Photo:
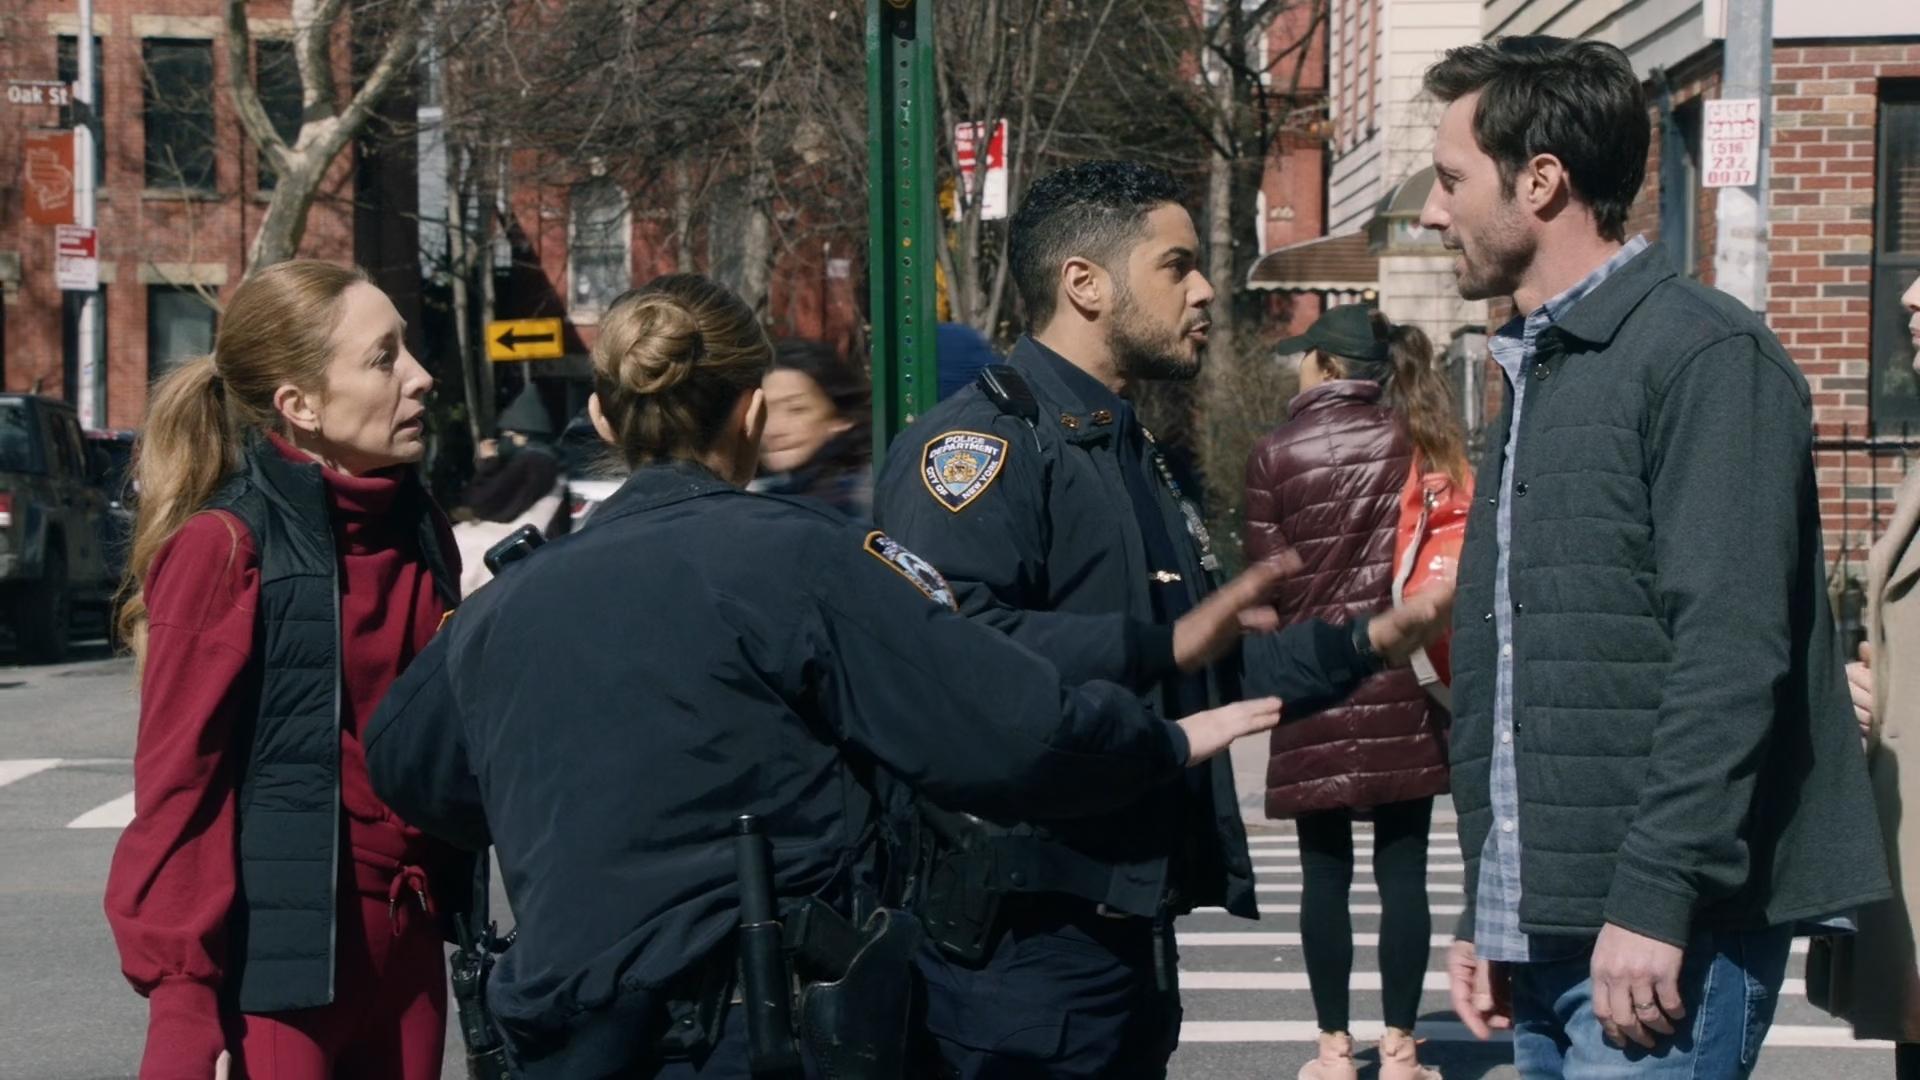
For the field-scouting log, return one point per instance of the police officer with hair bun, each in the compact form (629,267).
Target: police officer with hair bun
(605,711)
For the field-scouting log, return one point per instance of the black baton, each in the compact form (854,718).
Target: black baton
(765,987)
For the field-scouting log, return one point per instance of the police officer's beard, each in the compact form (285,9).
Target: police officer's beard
(1142,350)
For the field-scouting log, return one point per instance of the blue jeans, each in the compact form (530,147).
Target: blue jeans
(1729,983)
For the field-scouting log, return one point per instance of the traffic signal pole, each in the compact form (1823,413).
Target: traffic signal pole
(903,215)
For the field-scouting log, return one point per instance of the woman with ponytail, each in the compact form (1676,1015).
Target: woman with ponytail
(1326,487)
(286,566)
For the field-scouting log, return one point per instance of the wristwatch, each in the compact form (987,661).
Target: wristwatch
(1363,649)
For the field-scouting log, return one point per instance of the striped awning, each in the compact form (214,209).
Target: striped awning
(1325,264)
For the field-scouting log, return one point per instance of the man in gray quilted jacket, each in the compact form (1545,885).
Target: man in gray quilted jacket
(1653,757)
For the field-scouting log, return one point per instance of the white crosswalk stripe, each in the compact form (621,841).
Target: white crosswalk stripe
(1357,909)
(21,768)
(1231,970)
(1294,868)
(43,783)
(1361,980)
(1288,938)
(1453,887)
(117,814)
(1305,1031)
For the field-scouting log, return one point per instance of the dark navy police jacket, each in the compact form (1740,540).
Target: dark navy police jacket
(604,711)
(1064,535)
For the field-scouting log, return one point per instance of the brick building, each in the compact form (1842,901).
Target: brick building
(1379,149)
(1292,208)
(181,193)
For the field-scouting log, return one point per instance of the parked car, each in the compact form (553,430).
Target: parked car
(53,524)
(117,485)
(593,473)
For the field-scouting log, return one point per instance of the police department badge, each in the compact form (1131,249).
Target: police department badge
(959,465)
(910,566)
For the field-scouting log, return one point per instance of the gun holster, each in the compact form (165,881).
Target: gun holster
(958,896)
(486,1053)
(855,1027)
(472,963)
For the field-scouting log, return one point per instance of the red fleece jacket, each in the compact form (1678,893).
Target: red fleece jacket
(174,873)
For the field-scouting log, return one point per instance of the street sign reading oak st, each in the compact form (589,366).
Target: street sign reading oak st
(525,339)
(39,92)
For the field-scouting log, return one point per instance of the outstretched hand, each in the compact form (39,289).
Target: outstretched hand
(1210,732)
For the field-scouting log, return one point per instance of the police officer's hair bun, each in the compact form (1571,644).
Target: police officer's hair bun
(672,360)
(655,347)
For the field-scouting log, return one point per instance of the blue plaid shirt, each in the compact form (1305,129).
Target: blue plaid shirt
(1496,925)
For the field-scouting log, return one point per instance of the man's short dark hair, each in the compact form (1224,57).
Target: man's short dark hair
(1093,211)
(1577,100)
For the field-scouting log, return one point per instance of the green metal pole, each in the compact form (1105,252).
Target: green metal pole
(904,212)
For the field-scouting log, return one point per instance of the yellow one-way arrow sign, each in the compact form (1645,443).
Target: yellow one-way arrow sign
(524,339)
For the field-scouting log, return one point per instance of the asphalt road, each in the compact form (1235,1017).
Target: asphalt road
(66,743)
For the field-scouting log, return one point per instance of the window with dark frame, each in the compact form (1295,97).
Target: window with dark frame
(179,113)
(180,325)
(1895,396)
(277,76)
(68,71)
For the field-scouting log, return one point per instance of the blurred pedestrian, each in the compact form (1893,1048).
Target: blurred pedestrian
(286,565)
(1871,978)
(818,441)
(629,690)
(1656,772)
(517,481)
(960,352)
(1325,487)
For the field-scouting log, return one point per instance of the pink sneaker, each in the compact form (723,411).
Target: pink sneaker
(1335,1061)
(1398,1059)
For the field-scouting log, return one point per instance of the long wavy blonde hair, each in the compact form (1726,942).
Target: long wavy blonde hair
(277,330)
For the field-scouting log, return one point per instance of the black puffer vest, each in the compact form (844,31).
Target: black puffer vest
(283,920)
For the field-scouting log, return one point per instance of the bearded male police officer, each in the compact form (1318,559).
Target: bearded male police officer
(1050,510)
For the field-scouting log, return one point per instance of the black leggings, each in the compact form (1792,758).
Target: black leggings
(1326,924)
(1906,1061)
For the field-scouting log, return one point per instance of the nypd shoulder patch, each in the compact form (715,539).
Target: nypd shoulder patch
(959,465)
(910,566)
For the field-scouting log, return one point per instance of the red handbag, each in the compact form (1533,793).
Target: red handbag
(1426,549)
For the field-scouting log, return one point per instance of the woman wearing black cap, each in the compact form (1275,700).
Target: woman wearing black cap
(1326,486)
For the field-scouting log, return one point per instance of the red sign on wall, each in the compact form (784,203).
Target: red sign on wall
(47,174)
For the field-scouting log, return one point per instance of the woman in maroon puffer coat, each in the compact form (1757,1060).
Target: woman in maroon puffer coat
(1326,486)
